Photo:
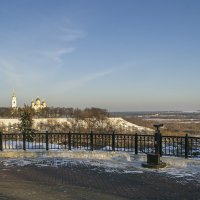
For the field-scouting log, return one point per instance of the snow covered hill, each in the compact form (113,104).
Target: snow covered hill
(118,123)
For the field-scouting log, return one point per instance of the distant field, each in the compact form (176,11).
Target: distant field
(175,123)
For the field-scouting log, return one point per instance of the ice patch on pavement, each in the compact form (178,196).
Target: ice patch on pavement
(183,170)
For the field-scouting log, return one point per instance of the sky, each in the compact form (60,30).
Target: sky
(122,55)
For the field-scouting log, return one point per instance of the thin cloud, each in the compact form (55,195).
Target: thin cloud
(9,73)
(81,82)
(92,77)
(58,54)
(65,42)
(85,79)
(71,35)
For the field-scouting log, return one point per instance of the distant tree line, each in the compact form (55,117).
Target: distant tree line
(5,112)
(56,112)
(79,120)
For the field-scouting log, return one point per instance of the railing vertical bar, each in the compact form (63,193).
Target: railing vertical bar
(165,144)
(80,141)
(181,145)
(39,140)
(173,145)
(69,140)
(91,141)
(131,142)
(148,143)
(1,141)
(47,140)
(113,141)
(191,145)
(5,137)
(9,143)
(144,142)
(160,150)
(24,141)
(177,150)
(124,142)
(128,143)
(12,141)
(186,146)
(136,143)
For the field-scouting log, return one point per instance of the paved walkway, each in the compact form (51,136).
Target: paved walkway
(90,183)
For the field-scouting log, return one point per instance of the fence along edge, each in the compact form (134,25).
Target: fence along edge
(186,150)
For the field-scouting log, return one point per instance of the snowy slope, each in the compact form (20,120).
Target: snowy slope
(121,122)
(115,122)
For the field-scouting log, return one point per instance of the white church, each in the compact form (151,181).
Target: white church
(14,101)
(37,105)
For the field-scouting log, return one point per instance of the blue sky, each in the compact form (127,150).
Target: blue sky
(123,55)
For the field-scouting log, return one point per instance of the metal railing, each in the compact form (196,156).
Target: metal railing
(169,145)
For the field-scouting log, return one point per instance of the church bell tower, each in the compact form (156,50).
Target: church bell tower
(14,100)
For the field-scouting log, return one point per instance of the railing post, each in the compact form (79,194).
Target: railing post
(113,141)
(1,141)
(160,146)
(47,140)
(91,141)
(24,141)
(136,143)
(186,146)
(69,141)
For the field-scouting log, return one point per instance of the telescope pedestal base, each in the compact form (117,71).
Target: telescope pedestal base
(154,162)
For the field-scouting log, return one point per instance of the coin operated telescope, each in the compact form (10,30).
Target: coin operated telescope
(158,139)
(153,159)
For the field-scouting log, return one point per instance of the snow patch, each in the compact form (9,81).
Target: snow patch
(183,170)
